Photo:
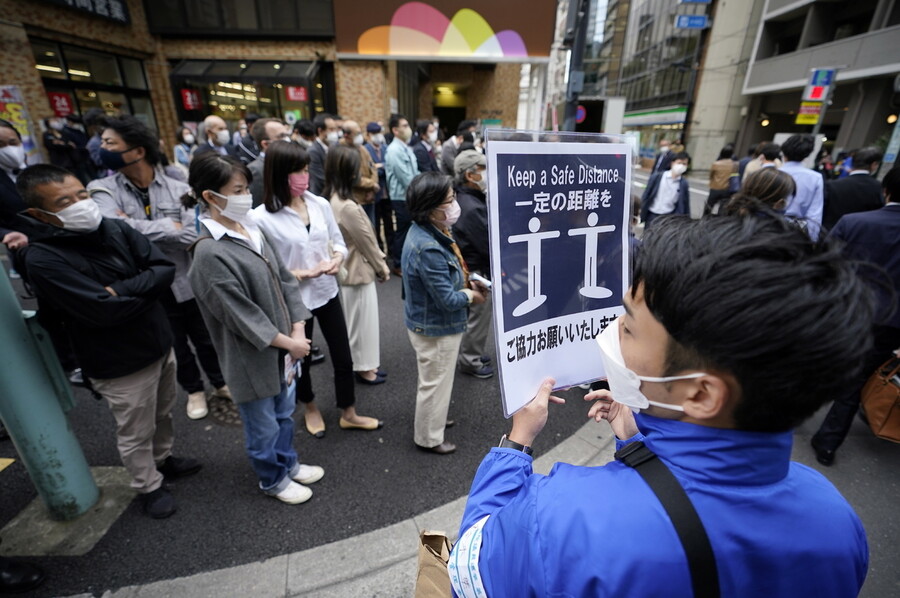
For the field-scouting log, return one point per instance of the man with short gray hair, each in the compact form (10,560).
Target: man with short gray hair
(471,234)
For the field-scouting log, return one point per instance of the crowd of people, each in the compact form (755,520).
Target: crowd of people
(148,269)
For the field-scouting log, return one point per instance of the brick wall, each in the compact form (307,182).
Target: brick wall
(361,88)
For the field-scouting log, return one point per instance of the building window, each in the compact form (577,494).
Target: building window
(78,79)
(241,18)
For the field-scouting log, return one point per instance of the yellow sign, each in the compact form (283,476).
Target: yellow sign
(809,113)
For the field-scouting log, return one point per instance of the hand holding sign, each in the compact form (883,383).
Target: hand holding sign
(530,419)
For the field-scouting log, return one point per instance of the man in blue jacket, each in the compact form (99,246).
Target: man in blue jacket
(667,192)
(720,353)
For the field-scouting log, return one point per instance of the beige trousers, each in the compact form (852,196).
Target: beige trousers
(436,361)
(142,406)
(474,343)
(360,304)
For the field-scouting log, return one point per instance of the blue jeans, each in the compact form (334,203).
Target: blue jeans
(269,434)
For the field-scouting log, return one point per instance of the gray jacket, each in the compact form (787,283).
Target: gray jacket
(246,299)
(257,168)
(116,195)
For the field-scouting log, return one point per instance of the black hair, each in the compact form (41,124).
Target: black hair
(394,122)
(8,125)
(282,158)
(251,118)
(341,171)
(770,151)
(179,134)
(797,147)
(426,192)
(681,156)
(135,134)
(422,127)
(751,151)
(319,121)
(94,117)
(726,152)
(756,299)
(464,126)
(210,172)
(867,156)
(305,127)
(34,176)
(890,184)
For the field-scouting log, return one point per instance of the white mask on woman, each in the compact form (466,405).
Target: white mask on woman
(451,213)
(236,207)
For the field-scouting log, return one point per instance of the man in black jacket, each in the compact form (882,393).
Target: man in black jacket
(105,279)
(471,234)
(859,192)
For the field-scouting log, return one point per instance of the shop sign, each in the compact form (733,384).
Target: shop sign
(809,113)
(12,109)
(114,10)
(296,93)
(190,99)
(61,103)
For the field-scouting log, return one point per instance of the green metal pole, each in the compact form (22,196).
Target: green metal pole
(34,418)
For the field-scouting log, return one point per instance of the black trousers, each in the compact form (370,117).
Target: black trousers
(187,323)
(334,329)
(837,423)
(384,217)
(403,223)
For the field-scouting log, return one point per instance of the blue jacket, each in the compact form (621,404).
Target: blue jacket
(433,301)
(778,529)
(400,167)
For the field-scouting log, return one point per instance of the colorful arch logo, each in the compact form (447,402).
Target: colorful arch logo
(418,29)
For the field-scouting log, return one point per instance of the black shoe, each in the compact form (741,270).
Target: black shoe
(3,433)
(377,380)
(483,372)
(823,456)
(178,467)
(17,576)
(380,372)
(444,448)
(486,360)
(316,356)
(450,423)
(159,504)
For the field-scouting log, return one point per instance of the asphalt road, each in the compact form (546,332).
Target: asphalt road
(372,479)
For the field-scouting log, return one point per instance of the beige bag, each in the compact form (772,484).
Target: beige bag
(432,578)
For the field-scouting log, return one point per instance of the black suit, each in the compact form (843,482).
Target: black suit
(11,204)
(424,157)
(872,236)
(855,193)
(317,155)
(205,148)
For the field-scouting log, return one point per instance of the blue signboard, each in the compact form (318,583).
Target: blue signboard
(691,22)
(560,241)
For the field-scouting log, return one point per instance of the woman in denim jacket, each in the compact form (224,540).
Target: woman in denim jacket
(437,293)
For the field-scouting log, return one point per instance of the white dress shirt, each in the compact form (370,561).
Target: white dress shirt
(666,195)
(300,249)
(218,231)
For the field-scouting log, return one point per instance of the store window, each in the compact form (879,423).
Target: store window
(78,79)
(241,18)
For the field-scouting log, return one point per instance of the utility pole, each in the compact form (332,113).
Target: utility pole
(575,37)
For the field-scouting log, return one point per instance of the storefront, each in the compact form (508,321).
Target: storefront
(652,126)
(77,79)
(289,90)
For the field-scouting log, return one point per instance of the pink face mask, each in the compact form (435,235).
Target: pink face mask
(299,183)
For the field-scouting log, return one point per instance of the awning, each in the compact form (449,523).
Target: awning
(250,71)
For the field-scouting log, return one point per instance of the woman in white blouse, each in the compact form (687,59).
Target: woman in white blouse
(364,263)
(302,228)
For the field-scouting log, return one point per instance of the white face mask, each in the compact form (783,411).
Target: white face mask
(482,184)
(432,137)
(81,217)
(358,139)
(663,149)
(625,385)
(332,138)
(679,169)
(451,214)
(378,139)
(12,157)
(189,139)
(223,137)
(302,142)
(236,207)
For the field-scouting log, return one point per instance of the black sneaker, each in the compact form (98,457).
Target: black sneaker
(483,372)
(177,467)
(159,504)
(316,356)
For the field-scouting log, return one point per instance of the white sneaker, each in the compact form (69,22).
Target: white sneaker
(196,405)
(307,474)
(294,494)
(223,392)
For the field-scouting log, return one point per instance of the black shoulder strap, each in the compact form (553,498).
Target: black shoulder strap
(690,530)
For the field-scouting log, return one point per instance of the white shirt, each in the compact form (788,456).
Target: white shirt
(300,249)
(666,194)
(218,231)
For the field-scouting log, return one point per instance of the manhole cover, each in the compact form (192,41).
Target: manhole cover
(224,412)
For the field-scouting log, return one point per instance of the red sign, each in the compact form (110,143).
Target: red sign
(61,103)
(190,99)
(296,94)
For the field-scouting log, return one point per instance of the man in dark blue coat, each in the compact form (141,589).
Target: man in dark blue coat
(874,237)
(667,192)
(858,192)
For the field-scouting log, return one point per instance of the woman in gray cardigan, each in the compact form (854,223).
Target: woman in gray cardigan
(252,307)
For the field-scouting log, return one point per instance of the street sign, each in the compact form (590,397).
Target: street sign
(809,113)
(691,22)
(560,254)
(817,88)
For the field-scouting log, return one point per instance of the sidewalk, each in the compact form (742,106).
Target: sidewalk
(379,564)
